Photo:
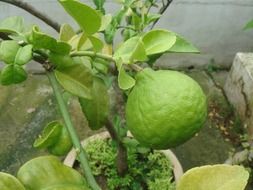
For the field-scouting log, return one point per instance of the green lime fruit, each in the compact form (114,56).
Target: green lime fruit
(165,108)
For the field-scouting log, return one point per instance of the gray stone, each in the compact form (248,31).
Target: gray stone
(239,88)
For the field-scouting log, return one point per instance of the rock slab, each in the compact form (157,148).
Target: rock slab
(239,88)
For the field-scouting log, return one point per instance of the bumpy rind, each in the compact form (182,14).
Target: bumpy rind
(165,108)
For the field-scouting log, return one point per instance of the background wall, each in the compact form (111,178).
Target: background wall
(214,26)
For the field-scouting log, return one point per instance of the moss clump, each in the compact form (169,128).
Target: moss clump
(148,170)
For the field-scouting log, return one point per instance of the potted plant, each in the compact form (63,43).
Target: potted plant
(163,108)
(102,138)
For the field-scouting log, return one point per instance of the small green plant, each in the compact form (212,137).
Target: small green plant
(152,169)
(81,62)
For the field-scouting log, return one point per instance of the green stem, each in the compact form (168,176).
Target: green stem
(92,54)
(135,67)
(81,154)
(103,56)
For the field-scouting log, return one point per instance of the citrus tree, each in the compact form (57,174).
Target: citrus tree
(163,108)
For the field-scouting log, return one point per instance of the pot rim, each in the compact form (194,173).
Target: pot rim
(177,167)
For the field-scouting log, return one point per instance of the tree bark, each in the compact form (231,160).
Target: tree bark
(122,166)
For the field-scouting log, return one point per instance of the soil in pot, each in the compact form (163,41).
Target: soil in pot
(148,169)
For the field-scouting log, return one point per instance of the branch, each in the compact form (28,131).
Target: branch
(110,128)
(122,166)
(32,10)
(72,132)
(161,11)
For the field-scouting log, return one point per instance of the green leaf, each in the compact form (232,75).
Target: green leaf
(217,177)
(125,81)
(151,18)
(12,25)
(249,25)
(130,142)
(66,32)
(101,65)
(55,138)
(8,51)
(47,172)
(63,144)
(62,48)
(158,41)
(24,55)
(117,124)
(86,61)
(96,43)
(9,182)
(60,61)
(84,42)
(106,20)
(100,5)
(77,41)
(128,33)
(183,46)
(77,79)
(41,40)
(88,18)
(49,136)
(111,30)
(131,50)
(136,21)
(12,53)
(96,110)
(143,150)
(81,41)
(12,74)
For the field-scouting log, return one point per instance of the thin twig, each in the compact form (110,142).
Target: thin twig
(37,72)
(151,5)
(32,10)
(161,11)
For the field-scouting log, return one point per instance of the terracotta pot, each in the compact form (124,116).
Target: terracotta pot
(177,168)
